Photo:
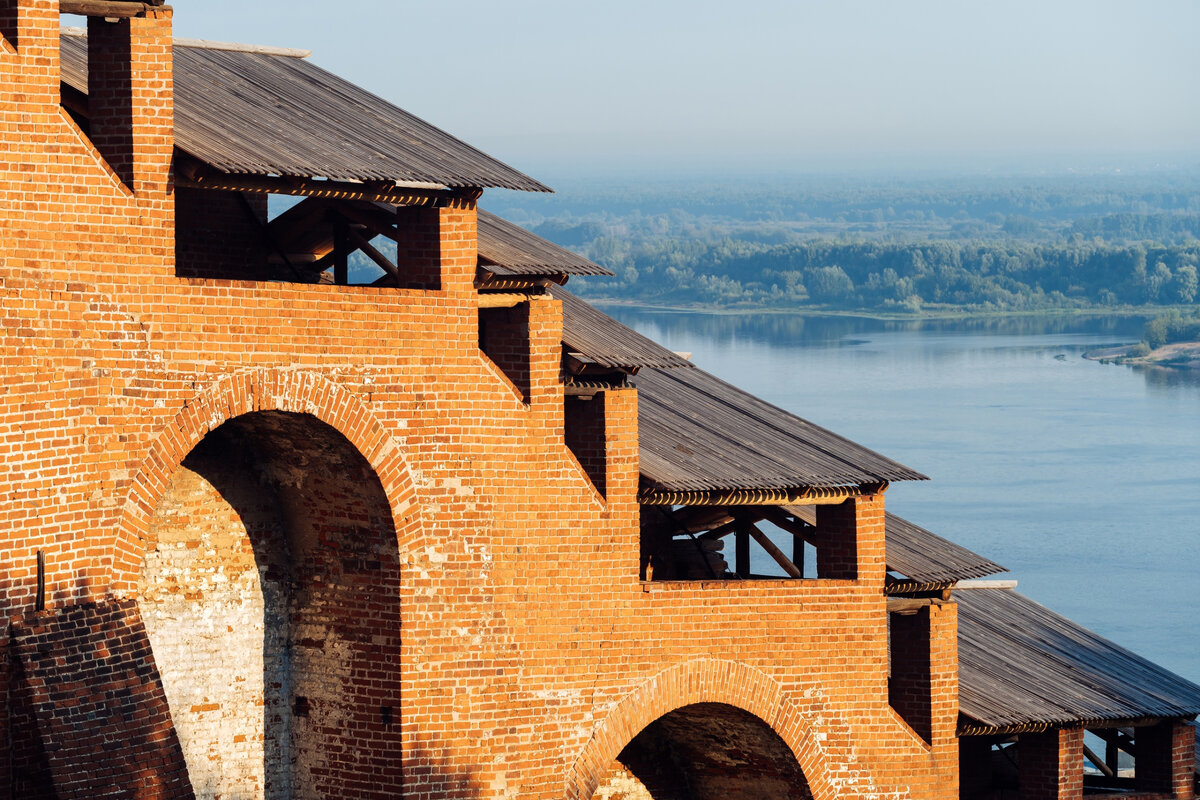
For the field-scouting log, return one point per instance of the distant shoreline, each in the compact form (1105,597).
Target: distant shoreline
(1176,355)
(925,314)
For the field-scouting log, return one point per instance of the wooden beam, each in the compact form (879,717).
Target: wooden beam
(777,517)
(206,178)
(908,605)
(369,222)
(742,547)
(379,258)
(109,8)
(765,543)
(720,531)
(501,300)
(703,518)
(1098,763)
(341,252)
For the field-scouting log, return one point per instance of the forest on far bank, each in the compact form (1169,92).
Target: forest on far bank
(891,245)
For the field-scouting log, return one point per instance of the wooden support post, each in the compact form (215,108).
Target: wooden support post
(742,547)
(1112,755)
(765,542)
(798,553)
(39,602)
(341,267)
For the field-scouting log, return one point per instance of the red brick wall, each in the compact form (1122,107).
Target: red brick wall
(1165,755)
(130,98)
(585,435)
(419,250)
(504,339)
(530,653)
(5,717)
(221,235)
(98,723)
(1051,764)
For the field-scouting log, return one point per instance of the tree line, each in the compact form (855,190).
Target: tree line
(898,276)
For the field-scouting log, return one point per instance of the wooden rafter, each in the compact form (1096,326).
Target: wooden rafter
(193,176)
(379,258)
(774,552)
(114,9)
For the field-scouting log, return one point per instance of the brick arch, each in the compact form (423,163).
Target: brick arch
(700,681)
(261,390)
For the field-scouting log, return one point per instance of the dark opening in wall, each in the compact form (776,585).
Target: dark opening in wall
(271,598)
(504,338)
(8,24)
(910,690)
(735,543)
(222,234)
(706,751)
(583,429)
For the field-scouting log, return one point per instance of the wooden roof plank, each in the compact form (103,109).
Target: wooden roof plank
(1020,663)
(263,114)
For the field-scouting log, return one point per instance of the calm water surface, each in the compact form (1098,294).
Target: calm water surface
(1082,478)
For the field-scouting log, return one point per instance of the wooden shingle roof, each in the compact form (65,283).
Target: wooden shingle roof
(591,332)
(507,249)
(920,556)
(699,433)
(1022,665)
(257,113)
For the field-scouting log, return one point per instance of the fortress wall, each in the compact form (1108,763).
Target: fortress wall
(523,627)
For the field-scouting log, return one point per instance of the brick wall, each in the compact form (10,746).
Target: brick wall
(1165,755)
(221,235)
(504,339)
(131,98)
(272,600)
(584,433)
(909,685)
(621,784)
(531,652)
(5,717)
(1051,764)
(94,719)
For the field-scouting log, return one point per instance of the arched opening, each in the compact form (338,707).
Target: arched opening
(270,592)
(705,751)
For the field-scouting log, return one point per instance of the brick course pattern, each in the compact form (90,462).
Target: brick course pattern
(97,721)
(529,653)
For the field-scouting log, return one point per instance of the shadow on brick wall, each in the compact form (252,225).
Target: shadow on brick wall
(89,715)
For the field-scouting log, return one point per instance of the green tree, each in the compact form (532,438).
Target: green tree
(1185,283)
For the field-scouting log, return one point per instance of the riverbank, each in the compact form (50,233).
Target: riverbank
(1177,355)
(927,313)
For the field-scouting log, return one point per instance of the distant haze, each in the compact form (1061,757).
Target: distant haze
(760,84)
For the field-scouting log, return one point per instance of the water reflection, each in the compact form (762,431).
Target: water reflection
(785,329)
(1171,380)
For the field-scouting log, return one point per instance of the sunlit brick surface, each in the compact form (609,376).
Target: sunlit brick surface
(497,642)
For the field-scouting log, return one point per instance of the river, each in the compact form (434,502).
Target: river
(1082,478)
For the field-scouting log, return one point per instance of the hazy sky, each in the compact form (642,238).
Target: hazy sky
(541,82)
